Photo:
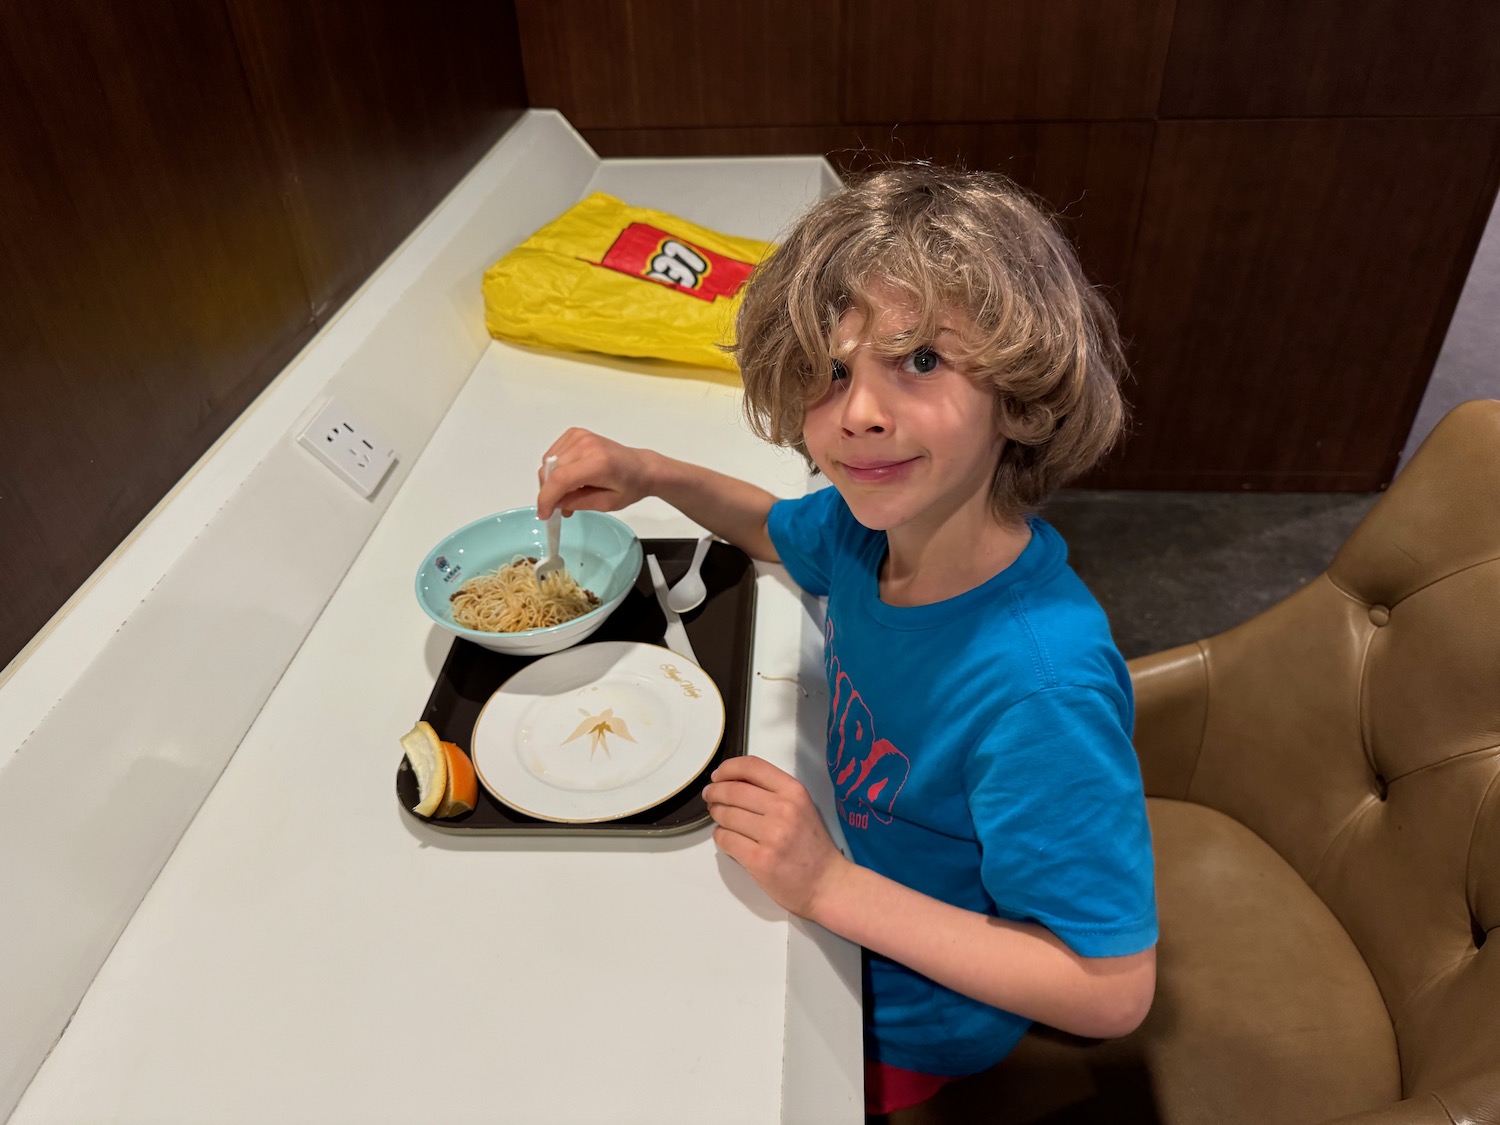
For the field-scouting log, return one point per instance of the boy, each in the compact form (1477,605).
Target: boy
(927,340)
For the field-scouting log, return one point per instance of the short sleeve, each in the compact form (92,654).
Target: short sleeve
(1055,793)
(806,533)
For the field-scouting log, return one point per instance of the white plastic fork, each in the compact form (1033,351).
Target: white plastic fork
(553,561)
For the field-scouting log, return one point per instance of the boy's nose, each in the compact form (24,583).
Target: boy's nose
(865,409)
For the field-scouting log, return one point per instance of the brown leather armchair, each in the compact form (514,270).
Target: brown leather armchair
(1324,791)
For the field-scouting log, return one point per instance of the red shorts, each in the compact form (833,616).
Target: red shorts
(889,1088)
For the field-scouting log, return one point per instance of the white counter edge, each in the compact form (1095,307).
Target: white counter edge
(117,720)
(115,725)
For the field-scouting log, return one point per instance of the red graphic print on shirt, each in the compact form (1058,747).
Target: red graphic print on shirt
(868,772)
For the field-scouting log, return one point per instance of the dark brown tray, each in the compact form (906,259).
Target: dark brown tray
(722,630)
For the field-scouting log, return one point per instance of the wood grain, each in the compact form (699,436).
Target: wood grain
(682,63)
(1232,58)
(147,271)
(1291,286)
(374,111)
(188,189)
(1092,174)
(969,60)
(729,140)
(1286,308)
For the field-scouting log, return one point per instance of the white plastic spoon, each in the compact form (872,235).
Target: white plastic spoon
(690,590)
(553,561)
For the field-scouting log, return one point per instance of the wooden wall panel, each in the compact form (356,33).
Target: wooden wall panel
(148,275)
(1291,286)
(1367,208)
(731,140)
(666,63)
(187,188)
(1092,174)
(375,111)
(1233,58)
(958,60)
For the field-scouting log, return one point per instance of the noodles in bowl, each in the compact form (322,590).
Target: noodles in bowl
(479,583)
(511,599)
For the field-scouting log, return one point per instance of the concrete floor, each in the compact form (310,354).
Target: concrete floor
(1173,567)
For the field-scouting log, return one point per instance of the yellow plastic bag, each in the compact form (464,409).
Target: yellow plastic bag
(628,281)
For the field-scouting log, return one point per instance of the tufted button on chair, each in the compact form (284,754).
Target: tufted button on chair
(1324,792)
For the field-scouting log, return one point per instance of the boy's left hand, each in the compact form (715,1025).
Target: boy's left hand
(767,823)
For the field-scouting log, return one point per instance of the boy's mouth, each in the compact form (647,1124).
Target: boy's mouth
(872,472)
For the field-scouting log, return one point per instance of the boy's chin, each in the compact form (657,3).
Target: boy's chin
(875,516)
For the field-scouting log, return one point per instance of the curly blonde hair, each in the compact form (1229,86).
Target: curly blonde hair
(943,241)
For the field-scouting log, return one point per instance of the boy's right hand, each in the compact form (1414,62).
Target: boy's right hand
(593,474)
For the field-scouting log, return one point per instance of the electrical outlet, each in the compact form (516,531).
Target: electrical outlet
(340,439)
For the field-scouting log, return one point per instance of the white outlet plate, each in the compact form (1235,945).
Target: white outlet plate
(341,440)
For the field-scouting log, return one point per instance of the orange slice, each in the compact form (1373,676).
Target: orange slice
(462,791)
(429,761)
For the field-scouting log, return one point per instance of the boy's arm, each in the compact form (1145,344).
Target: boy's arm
(1023,968)
(596,474)
(767,823)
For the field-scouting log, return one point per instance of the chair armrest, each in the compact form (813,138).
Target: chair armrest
(1475,1098)
(1171,704)
(1424,1109)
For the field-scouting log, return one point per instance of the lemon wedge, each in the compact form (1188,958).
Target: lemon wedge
(429,761)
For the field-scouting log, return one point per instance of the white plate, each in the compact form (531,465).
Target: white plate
(598,732)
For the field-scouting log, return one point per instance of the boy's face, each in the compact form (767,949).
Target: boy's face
(909,442)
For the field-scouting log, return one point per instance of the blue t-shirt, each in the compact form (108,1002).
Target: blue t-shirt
(980,753)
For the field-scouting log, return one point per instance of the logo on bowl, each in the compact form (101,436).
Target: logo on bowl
(450,570)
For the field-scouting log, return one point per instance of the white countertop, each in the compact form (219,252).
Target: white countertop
(311,953)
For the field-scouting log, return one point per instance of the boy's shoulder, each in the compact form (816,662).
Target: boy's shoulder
(821,523)
(827,505)
(1062,627)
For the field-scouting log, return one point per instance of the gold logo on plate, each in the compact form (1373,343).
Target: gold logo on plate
(676,677)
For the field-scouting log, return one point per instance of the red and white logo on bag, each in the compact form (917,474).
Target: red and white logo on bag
(652,254)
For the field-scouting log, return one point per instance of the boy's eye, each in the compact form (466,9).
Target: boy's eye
(923,361)
(840,372)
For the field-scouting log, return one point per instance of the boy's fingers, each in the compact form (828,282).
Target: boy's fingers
(585,499)
(565,441)
(740,795)
(566,488)
(733,844)
(564,449)
(756,771)
(548,493)
(556,449)
(742,821)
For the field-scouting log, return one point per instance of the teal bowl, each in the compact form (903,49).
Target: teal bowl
(601,552)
